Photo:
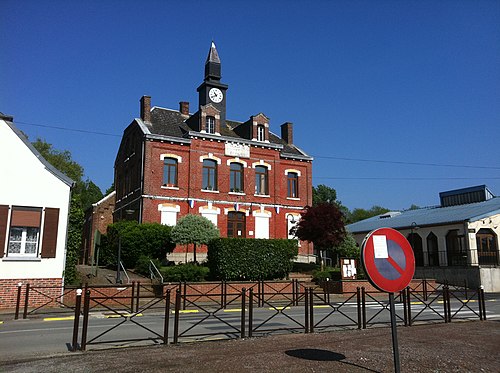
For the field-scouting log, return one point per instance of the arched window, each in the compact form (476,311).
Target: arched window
(432,250)
(261,181)
(292,185)
(170,172)
(416,243)
(261,133)
(210,125)
(455,249)
(236,178)
(487,248)
(209,175)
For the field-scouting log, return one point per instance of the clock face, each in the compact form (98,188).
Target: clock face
(215,94)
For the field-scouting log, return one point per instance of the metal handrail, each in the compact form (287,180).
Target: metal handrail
(125,271)
(151,272)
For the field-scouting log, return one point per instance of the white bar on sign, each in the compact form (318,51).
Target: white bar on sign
(380,247)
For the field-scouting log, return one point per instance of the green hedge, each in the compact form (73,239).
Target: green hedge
(184,272)
(239,259)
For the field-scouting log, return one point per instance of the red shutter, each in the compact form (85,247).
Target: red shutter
(50,226)
(4,214)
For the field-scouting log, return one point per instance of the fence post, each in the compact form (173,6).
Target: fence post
(132,295)
(176,317)
(408,300)
(86,306)
(185,295)
(358,301)
(167,317)
(26,301)
(137,296)
(449,303)
(405,311)
(18,301)
(306,309)
(311,308)
(363,306)
(446,304)
(250,313)
(425,290)
(480,301)
(243,304)
(78,305)
(225,294)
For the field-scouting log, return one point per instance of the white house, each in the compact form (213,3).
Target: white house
(34,206)
(456,242)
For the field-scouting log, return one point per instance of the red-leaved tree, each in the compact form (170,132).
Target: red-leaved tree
(323,225)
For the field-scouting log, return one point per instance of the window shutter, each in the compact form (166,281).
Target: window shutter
(4,213)
(51,224)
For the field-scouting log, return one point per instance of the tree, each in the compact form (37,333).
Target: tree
(348,248)
(194,229)
(83,195)
(323,225)
(362,214)
(325,194)
(59,159)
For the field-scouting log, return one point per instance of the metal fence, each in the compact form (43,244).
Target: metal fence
(226,310)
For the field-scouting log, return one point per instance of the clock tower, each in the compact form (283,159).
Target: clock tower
(212,91)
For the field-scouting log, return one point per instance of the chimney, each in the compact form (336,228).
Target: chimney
(287,132)
(184,107)
(146,108)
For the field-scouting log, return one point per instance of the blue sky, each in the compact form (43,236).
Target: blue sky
(383,94)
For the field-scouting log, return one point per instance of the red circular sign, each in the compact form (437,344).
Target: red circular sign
(388,259)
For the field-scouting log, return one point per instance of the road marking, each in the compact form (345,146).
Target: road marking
(326,306)
(59,318)
(1,322)
(278,308)
(235,310)
(187,311)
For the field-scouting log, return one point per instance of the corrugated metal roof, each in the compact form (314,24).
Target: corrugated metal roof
(429,216)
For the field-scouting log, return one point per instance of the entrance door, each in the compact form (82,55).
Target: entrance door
(236,224)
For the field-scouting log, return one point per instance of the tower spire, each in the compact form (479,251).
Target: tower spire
(212,65)
(213,56)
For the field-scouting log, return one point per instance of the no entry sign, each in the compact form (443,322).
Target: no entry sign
(388,259)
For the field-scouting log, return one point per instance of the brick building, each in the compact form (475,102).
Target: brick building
(97,218)
(248,181)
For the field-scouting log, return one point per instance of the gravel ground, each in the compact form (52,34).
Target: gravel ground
(453,347)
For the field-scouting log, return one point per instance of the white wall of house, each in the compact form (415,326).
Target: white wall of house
(26,181)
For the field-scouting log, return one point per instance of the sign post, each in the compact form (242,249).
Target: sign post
(389,263)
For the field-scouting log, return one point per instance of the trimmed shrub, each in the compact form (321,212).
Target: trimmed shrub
(236,259)
(328,272)
(142,265)
(184,272)
(307,268)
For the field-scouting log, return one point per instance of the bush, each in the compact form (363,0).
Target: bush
(305,267)
(328,272)
(184,272)
(142,265)
(148,239)
(251,259)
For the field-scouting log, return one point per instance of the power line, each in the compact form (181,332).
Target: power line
(405,163)
(405,178)
(69,129)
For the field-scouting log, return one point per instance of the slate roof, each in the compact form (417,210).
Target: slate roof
(429,216)
(171,123)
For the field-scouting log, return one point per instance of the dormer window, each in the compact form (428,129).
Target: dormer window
(210,125)
(261,133)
